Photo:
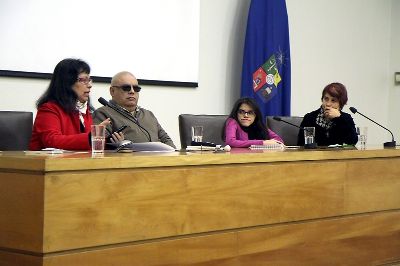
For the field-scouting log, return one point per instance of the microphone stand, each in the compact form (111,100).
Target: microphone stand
(389,144)
(306,146)
(281,120)
(124,114)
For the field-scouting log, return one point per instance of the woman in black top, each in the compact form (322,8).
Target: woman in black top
(332,126)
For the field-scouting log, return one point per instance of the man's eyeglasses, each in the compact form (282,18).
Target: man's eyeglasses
(248,113)
(84,80)
(128,87)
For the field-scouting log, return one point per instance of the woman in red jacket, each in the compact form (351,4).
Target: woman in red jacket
(64,117)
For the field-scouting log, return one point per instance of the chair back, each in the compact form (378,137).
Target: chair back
(15,130)
(287,132)
(212,128)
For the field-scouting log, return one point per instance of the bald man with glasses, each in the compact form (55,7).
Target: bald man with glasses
(142,125)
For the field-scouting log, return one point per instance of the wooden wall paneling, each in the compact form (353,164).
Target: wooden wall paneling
(8,258)
(373,185)
(21,201)
(320,207)
(122,206)
(351,240)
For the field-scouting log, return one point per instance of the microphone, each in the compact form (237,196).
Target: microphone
(281,120)
(306,146)
(386,144)
(124,114)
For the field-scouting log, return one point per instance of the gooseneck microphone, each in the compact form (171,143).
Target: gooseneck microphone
(306,146)
(386,144)
(124,114)
(281,120)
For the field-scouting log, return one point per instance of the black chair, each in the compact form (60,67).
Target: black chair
(287,132)
(15,130)
(212,128)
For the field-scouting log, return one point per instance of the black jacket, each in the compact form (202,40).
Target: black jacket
(342,131)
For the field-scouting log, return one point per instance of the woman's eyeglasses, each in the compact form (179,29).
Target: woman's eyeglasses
(248,113)
(85,80)
(128,87)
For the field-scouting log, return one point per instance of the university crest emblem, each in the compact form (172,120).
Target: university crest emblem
(266,79)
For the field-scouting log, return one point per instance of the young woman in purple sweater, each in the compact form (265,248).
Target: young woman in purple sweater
(245,126)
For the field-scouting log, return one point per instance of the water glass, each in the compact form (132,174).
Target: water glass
(197,133)
(362,136)
(98,138)
(309,138)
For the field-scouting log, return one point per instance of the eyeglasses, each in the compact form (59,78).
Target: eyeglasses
(128,87)
(85,80)
(248,113)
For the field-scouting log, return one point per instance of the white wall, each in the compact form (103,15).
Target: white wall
(345,41)
(394,90)
(351,41)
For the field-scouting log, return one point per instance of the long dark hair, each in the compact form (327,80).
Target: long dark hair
(257,130)
(60,89)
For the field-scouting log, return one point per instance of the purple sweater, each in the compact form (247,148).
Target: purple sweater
(237,138)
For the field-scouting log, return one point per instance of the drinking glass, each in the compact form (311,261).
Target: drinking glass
(362,136)
(98,138)
(197,133)
(309,138)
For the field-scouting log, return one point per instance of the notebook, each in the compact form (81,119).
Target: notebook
(268,147)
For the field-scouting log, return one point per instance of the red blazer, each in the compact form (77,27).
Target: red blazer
(55,128)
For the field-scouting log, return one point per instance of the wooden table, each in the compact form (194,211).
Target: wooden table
(318,207)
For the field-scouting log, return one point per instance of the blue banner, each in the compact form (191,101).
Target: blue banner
(266,59)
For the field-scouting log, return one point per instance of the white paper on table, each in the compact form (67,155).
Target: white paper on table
(144,146)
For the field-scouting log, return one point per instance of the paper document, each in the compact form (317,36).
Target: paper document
(143,146)
(200,148)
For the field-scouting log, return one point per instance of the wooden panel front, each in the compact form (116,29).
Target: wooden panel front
(274,208)
(9,258)
(130,205)
(373,185)
(370,239)
(21,211)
